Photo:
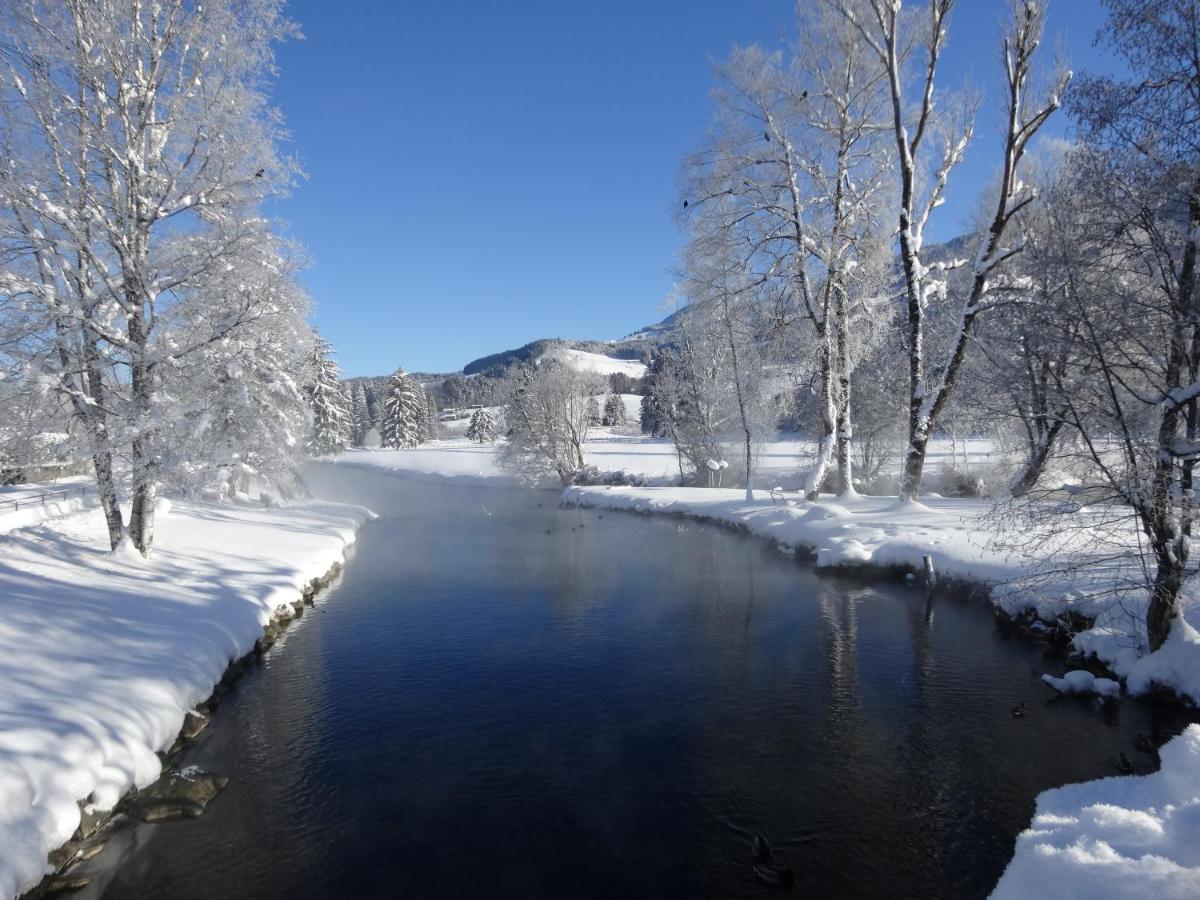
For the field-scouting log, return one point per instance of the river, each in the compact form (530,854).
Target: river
(501,698)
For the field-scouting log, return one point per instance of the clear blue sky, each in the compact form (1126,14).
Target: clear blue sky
(481,174)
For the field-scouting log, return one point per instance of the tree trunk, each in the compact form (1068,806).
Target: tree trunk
(1164,596)
(812,487)
(1035,463)
(145,465)
(845,429)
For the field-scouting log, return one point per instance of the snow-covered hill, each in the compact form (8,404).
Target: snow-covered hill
(582,361)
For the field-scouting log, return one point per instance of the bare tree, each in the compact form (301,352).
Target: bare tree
(1139,417)
(548,420)
(886,29)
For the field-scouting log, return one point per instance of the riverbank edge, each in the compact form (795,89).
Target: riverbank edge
(1035,851)
(96,825)
(1056,635)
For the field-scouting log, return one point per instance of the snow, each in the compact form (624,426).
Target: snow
(1080,681)
(22,505)
(457,459)
(102,654)
(1131,836)
(582,361)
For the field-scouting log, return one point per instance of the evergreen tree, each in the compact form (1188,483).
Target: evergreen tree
(405,411)
(431,417)
(655,404)
(593,411)
(482,429)
(327,401)
(359,423)
(614,411)
(375,411)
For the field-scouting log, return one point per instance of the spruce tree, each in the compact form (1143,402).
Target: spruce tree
(593,411)
(327,400)
(482,429)
(431,417)
(405,411)
(358,414)
(614,411)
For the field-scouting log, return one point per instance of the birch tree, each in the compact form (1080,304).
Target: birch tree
(923,175)
(798,170)
(139,146)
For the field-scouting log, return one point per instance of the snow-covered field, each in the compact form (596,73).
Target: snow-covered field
(582,361)
(102,654)
(22,505)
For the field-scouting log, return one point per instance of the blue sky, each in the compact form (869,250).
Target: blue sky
(481,174)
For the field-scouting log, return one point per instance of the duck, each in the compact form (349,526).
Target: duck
(761,849)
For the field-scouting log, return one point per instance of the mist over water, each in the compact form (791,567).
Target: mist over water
(505,699)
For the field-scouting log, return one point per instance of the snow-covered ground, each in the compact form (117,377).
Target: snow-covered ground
(102,654)
(1130,836)
(582,361)
(22,505)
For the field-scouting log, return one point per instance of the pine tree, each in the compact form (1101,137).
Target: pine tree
(405,411)
(482,429)
(327,401)
(614,411)
(593,411)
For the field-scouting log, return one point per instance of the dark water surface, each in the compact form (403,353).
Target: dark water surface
(506,699)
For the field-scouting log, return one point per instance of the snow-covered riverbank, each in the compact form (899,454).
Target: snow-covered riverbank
(1121,837)
(101,655)
(960,538)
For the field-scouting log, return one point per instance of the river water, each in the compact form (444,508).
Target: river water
(501,698)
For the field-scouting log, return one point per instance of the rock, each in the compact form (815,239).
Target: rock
(177,795)
(65,884)
(88,851)
(193,723)
(91,821)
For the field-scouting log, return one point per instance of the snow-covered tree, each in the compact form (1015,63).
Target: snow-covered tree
(138,144)
(887,30)
(240,411)
(791,184)
(595,417)
(614,411)
(482,428)
(431,417)
(405,412)
(548,420)
(359,422)
(327,400)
